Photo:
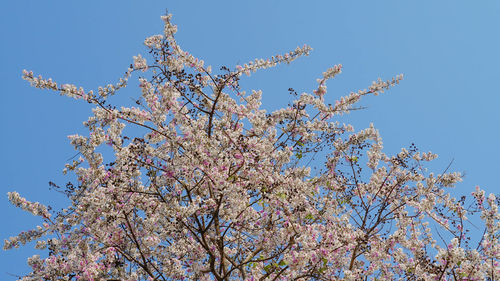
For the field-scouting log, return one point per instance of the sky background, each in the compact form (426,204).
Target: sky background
(448,51)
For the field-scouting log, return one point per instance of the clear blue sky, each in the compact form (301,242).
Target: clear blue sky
(449,101)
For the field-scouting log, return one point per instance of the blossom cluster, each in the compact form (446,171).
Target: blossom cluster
(253,66)
(329,74)
(35,208)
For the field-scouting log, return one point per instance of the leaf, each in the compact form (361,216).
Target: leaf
(329,185)
(281,195)
(268,267)
(324,267)
(261,203)
(344,200)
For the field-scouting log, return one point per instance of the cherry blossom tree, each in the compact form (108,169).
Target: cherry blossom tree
(218,189)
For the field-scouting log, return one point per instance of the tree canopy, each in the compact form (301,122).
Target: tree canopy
(217,188)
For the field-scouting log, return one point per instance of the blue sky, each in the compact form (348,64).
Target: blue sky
(448,50)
